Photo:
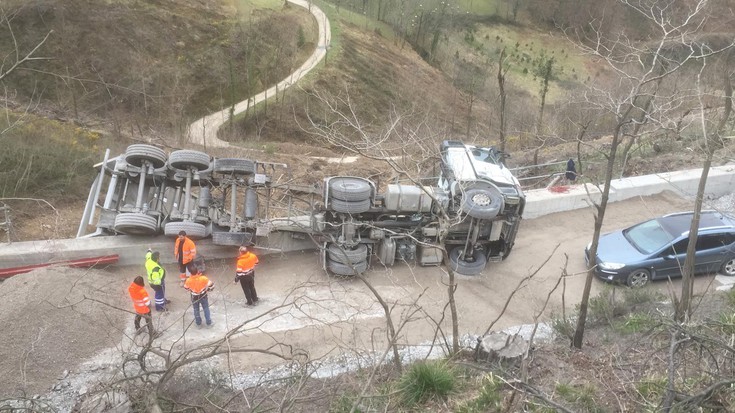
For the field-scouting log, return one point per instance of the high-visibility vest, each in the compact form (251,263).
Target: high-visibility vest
(154,270)
(246,262)
(198,284)
(190,250)
(140,298)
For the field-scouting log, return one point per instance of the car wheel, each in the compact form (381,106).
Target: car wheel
(231,238)
(465,267)
(347,256)
(339,268)
(350,207)
(185,159)
(482,203)
(234,166)
(193,230)
(136,223)
(728,267)
(349,189)
(136,154)
(638,278)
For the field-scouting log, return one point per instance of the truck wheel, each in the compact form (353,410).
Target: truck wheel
(193,230)
(136,223)
(349,189)
(482,203)
(347,256)
(343,269)
(185,159)
(464,267)
(234,166)
(387,252)
(136,154)
(231,238)
(350,207)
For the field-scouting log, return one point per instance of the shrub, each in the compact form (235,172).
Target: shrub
(426,380)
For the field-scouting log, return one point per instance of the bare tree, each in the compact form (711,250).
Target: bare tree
(639,68)
(711,140)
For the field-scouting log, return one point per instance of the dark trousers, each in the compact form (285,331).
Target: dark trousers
(247,282)
(148,322)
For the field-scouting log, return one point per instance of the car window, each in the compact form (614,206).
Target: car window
(648,237)
(708,242)
(678,248)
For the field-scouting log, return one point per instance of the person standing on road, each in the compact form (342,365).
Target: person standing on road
(198,285)
(156,278)
(141,303)
(245,273)
(185,251)
(571,173)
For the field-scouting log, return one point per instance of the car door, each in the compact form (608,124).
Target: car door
(712,250)
(671,260)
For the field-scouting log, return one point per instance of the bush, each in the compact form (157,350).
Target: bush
(426,380)
(606,307)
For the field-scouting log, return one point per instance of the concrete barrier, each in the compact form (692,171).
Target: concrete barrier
(721,181)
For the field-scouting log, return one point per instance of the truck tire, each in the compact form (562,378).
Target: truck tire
(482,203)
(349,189)
(138,153)
(387,252)
(463,267)
(185,159)
(339,268)
(234,166)
(136,223)
(347,256)
(231,238)
(351,207)
(193,230)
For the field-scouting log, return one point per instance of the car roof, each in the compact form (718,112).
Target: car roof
(679,223)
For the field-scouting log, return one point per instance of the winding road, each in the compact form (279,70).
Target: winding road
(204,131)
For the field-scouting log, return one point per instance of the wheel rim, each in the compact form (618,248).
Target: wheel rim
(482,200)
(638,279)
(730,267)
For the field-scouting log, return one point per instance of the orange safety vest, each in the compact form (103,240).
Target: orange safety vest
(246,262)
(140,298)
(198,284)
(190,250)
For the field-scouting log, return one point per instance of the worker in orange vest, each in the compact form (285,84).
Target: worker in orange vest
(141,303)
(245,273)
(198,285)
(185,251)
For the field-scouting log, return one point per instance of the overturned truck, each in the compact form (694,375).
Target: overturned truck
(467,216)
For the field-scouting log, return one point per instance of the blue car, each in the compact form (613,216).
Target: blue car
(656,249)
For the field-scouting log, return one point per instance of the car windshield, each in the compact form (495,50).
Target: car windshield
(648,237)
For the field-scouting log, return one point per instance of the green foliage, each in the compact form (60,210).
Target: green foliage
(605,307)
(727,323)
(636,296)
(489,398)
(44,159)
(651,389)
(343,404)
(563,326)
(426,380)
(635,322)
(583,397)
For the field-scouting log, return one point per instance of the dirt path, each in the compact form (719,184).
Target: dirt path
(51,328)
(204,131)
